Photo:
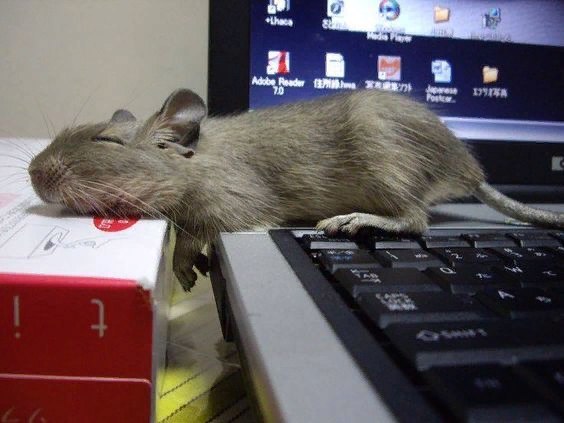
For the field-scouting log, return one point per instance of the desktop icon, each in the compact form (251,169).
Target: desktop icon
(389,68)
(442,71)
(489,74)
(278,62)
(334,65)
(335,7)
(441,14)
(275,6)
(389,9)
(492,18)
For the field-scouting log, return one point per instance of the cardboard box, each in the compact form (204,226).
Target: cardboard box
(83,307)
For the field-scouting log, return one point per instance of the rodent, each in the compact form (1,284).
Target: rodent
(350,160)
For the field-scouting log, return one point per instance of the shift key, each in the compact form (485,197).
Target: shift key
(477,342)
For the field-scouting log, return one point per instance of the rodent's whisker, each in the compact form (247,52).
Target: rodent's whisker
(141,209)
(147,209)
(21,159)
(75,197)
(19,178)
(87,199)
(14,167)
(84,104)
(19,146)
(51,135)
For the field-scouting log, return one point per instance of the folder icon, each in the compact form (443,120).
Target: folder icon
(489,74)
(442,14)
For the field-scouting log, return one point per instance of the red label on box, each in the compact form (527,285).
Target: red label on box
(42,399)
(54,325)
(114,225)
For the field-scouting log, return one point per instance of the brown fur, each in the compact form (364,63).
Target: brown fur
(362,152)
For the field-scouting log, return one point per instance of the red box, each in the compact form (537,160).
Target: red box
(83,311)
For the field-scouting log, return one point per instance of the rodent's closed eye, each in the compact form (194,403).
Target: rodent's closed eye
(103,138)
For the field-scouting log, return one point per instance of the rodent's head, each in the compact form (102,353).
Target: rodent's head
(122,167)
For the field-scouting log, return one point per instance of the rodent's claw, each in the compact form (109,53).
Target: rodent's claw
(347,224)
(187,277)
(202,264)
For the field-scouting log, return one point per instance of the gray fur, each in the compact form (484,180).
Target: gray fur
(367,158)
(489,195)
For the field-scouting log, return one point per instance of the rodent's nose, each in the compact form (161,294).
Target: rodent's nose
(41,184)
(37,175)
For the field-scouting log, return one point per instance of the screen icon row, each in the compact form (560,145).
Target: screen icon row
(388,67)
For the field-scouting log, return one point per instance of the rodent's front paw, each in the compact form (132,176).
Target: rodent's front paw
(346,224)
(202,264)
(186,276)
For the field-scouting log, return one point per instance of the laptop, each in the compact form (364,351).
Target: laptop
(464,323)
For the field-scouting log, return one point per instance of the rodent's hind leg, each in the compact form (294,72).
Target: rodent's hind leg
(352,223)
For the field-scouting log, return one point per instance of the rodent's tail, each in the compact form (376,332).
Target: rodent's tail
(493,198)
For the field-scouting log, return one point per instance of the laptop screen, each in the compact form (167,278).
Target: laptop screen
(493,71)
(483,66)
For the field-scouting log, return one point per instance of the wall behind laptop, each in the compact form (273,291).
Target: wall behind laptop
(59,56)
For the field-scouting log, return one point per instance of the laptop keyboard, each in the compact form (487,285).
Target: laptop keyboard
(475,320)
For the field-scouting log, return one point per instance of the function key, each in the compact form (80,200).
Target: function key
(486,240)
(444,241)
(333,260)
(463,256)
(417,258)
(534,239)
(380,242)
(558,235)
(558,250)
(324,242)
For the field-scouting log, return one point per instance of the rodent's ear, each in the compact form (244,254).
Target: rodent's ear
(181,113)
(121,116)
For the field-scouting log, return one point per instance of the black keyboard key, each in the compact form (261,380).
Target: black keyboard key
(534,239)
(522,302)
(358,280)
(463,256)
(547,378)
(541,275)
(416,258)
(323,242)
(444,241)
(407,307)
(558,250)
(523,254)
(485,240)
(333,260)
(489,341)
(558,235)
(487,393)
(380,242)
(468,279)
